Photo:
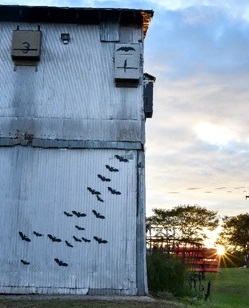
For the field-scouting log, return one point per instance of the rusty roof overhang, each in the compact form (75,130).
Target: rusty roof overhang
(51,14)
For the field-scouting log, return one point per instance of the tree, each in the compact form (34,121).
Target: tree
(188,222)
(235,233)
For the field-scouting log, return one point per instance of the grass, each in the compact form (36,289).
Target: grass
(229,289)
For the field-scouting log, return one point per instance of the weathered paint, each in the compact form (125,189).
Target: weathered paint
(36,187)
(141,269)
(71,142)
(72,94)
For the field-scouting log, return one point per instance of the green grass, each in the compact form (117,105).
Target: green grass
(229,289)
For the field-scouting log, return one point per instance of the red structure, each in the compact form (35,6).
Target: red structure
(200,259)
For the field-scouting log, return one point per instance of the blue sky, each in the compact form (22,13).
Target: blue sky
(197,149)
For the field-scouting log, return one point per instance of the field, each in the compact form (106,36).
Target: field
(229,289)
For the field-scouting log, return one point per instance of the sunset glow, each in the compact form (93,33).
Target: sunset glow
(221,250)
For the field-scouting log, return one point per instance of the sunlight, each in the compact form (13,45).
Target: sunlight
(215,134)
(221,250)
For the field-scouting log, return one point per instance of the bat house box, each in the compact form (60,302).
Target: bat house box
(127,65)
(26,45)
(148,94)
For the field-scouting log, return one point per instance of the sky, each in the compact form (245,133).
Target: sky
(197,143)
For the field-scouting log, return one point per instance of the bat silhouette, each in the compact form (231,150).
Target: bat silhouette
(76,239)
(68,244)
(25,262)
(99,199)
(68,214)
(24,237)
(93,191)
(79,228)
(98,215)
(100,240)
(122,159)
(111,169)
(104,179)
(53,238)
(79,214)
(126,49)
(37,234)
(247,197)
(113,191)
(86,240)
(60,263)
(125,65)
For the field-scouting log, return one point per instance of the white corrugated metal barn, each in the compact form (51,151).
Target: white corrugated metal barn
(73,105)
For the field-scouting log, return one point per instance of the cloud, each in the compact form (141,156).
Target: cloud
(198,136)
(198,39)
(83,3)
(215,134)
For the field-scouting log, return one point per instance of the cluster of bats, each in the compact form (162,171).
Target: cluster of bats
(55,239)
(78,214)
(106,179)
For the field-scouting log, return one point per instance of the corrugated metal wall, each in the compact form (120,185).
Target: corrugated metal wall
(72,220)
(72,94)
(68,220)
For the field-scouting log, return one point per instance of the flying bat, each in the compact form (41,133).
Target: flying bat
(68,244)
(53,238)
(113,191)
(99,199)
(76,239)
(93,191)
(111,169)
(122,159)
(60,263)
(25,262)
(126,49)
(100,240)
(24,237)
(68,214)
(79,228)
(79,214)
(86,240)
(98,215)
(104,179)
(37,234)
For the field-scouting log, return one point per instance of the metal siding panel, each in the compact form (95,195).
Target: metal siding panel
(36,187)
(109,31)
(141,233)
(68,84)
(129,34)
(55,128)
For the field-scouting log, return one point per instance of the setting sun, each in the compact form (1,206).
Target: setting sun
(221,250)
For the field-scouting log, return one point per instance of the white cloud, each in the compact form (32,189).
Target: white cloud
(215,134)
(198,136)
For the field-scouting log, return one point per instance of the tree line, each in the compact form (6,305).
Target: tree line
(191,222)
